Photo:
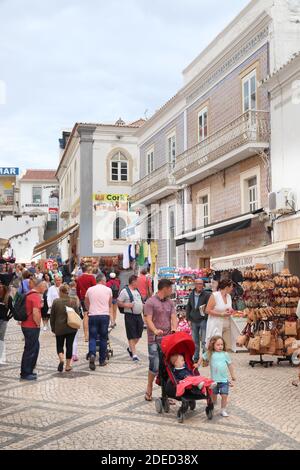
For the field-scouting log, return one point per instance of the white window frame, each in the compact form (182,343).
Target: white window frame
(119,180)
(248,78)
(244,178)
(174,205)
(201,113)
(37,187)
(150,161)
(199,209)
(171,139)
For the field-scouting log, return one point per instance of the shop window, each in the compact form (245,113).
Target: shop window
(203,124)
(119,225)
(119,167)
(37,195)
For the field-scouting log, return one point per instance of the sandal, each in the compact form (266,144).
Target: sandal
(68,370)
(296,383)
(148,396)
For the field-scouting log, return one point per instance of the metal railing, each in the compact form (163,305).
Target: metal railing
(154,181)
(251,127)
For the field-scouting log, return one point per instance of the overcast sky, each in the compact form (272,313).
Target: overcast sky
(63,61)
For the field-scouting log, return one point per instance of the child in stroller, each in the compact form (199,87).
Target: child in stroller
(186,391)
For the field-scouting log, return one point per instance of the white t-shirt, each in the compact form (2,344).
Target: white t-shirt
(137,300)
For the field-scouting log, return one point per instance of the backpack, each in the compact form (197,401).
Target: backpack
(115,291)
(121,309)
(19,311)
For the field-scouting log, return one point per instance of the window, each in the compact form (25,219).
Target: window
(172,242)
(119,225)
(75,176)
(150,162)
(202,124)
(37,195)
(119,167)
(204,211)
(249,92)
(250,190)
(172,150)
(252,194)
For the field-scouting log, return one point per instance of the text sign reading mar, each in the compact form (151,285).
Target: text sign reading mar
(8,171)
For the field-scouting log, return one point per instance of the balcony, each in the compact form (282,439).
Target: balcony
(243,137)
(157,185)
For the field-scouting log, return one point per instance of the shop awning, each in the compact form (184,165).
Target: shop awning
(268,254)
(54,240)
(213,230)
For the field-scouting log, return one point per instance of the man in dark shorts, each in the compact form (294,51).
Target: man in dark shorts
(130,299)
(161,319)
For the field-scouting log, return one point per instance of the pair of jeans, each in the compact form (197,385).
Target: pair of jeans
(31,350)
(199,334)
(98,326)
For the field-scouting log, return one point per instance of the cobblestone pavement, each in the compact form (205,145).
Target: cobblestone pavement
(106,410)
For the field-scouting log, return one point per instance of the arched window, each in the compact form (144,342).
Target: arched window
(119,167)
(119,225)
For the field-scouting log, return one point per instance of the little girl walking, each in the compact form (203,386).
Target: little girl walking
(220,364)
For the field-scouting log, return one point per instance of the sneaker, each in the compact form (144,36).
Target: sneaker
(129,352)
(103,364)
(28,377)
(224,414)
(92,362)
(135,358)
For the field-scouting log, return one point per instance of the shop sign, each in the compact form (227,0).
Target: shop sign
(8,171)
(36,205)
(111,197)
(53,210)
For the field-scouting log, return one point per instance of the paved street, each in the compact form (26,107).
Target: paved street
(106,409)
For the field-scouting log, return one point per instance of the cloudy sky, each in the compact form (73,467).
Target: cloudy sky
(63,61)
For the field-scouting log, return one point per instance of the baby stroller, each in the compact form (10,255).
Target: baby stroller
(109,351)
(178,343)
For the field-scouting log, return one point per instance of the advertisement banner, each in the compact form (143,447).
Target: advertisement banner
(6,192)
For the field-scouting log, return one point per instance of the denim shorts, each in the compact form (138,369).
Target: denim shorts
(222,388)
(153,358)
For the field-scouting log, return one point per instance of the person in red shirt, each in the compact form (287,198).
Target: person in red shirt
(144,285)
(83,283)
(114,285)
(31,328)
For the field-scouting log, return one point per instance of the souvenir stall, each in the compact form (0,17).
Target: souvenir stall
(271,305)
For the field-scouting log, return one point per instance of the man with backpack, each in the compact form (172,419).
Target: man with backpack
(114,285)
(130,303)
(28,310)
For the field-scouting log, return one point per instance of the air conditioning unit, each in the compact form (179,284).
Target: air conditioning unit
(282,201)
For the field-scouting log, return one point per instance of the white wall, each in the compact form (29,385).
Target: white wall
(25,196)
(31,231)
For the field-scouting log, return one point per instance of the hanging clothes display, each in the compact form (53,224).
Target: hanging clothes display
(141,258)
(149,255)
(132,252)
(126,264)
(154,255)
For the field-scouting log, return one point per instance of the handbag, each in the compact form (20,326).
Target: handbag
(290,328)
(272,345)
(73,320)
(243,338)
(265,336)
(254,343)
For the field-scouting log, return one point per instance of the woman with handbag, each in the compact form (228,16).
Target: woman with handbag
(60,326)
(219,310)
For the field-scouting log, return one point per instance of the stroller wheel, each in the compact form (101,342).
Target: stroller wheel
(166,405)
(159,405)
(180,416)
(192,405)
(209,413)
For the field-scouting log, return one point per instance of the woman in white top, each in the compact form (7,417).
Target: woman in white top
(219,310)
